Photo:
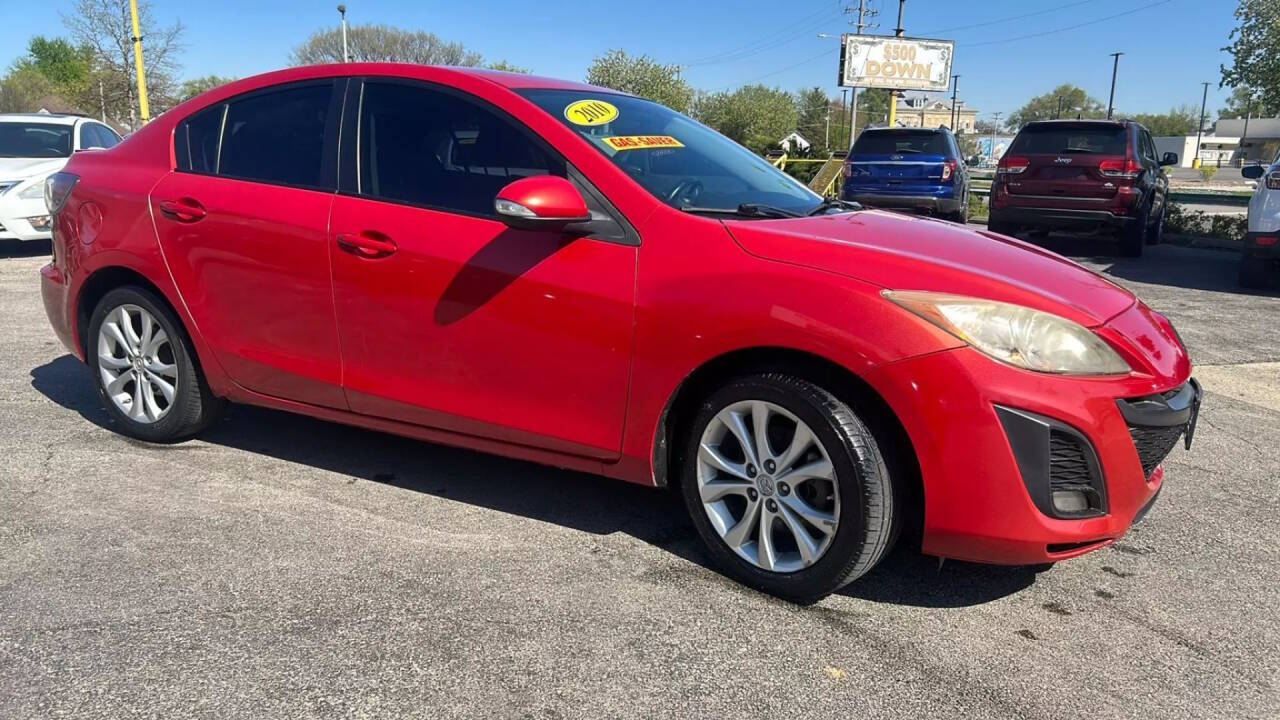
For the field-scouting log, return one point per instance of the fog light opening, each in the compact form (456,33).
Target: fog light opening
(1070,501)
(40,222)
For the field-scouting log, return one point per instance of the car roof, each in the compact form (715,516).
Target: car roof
(905,130)
(1067,122)
(49,118)
(521,81)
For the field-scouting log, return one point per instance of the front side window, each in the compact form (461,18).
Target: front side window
(277,137)
(35,140)
(677,160)
(428,147)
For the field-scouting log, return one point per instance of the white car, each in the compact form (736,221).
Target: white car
(1260,258)
(33,146)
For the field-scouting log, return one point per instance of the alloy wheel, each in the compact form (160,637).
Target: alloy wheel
(768,486)
(136,364)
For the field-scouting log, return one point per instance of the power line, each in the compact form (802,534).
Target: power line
(764,40)
(1010,18)
(777,43)
(1069,27)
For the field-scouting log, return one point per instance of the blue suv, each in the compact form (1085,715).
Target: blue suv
(908,169)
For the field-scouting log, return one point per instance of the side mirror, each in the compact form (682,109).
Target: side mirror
(543,202)
(1169,159)
(1253,172)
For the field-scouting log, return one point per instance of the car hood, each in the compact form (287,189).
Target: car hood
(902,252)
(23,168)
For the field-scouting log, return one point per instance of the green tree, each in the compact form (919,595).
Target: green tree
(1255,64)
(21,88)
(505,66)
(1074,102)
(753,115)
(1244,101)
(105,30)
(816,119)
(382,43)
(1180,120)
(200,85)
(643,76)
(873,109)
(66,66)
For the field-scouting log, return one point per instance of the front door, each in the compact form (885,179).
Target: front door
(243,223)
(448,318)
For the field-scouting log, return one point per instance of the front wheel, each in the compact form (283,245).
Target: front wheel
(787,487)
(145,370)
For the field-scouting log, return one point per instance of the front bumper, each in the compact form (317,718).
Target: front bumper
(17,215)
(987,498)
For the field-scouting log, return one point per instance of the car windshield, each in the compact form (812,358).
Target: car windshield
(681,162)
(901,142)
(1060,140)
(34,140)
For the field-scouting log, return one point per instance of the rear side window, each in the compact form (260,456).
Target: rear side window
(920,142)
(1063,140)
(276,137)
(426,147)
(196,141)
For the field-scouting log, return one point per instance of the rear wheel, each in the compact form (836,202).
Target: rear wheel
(787,487)
(1134,236)
(145,370)
(1155,234)
(962,215)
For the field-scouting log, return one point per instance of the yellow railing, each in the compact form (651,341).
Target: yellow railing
(830,186)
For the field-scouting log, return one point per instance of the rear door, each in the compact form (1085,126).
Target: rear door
(1064,161)
(243,222)
(898,160)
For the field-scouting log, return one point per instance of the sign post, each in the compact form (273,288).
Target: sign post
(895,63)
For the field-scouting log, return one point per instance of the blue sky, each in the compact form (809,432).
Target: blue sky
(1171,46)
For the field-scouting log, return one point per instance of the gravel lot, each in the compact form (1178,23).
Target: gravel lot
(282,567)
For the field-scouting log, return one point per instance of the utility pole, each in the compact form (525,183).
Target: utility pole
(828,139)
(863,14)
(955,91)
(143,107)
(1195,162)
(342,12)
(844,96)
(1058,114)
(102,99)
(1115,67)
(995,126)
(893,94)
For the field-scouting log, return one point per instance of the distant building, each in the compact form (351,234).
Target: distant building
(921,111)
(1258,138)
(795,142)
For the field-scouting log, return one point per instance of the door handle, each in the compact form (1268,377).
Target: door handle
(368,244)
(182,209)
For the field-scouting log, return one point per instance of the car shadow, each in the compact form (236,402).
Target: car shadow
(579,501)
(1167,264)
(24,248)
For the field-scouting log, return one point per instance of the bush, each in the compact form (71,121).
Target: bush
(1194,222)
(978,205)
(1207,172)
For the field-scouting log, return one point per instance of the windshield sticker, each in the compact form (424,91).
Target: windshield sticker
(641,142)
(590,112)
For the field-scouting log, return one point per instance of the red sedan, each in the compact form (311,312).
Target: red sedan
(579,277)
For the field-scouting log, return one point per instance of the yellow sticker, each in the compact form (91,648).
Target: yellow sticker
(641,142)
(590,112)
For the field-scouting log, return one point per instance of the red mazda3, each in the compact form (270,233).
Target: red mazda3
(578,277)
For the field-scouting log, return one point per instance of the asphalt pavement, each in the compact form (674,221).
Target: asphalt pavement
(283,567)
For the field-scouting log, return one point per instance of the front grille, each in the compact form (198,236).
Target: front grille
(1154,444)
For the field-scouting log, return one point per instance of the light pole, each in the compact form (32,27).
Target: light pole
(1195,161)
(342,11)
(955,90)
(844,96)
(143,105)
(1115,67)
(995,127)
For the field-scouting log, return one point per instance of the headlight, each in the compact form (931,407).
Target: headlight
(34,191)
(1017,335)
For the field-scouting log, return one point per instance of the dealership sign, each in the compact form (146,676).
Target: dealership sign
(895,63)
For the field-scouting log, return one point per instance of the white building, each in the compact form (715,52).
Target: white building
(1216,150)
(795,142)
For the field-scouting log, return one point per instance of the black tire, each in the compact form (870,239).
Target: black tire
(1134,237)
(1255,273)
(1155,233)
(869,498)
(194,406)
(962,215)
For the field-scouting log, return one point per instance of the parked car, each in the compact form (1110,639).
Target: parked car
(908,169)
(1260,256)
(33,146)
(1083,175)
(578,277)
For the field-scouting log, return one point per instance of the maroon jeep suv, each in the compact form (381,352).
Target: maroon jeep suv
(1083,176)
